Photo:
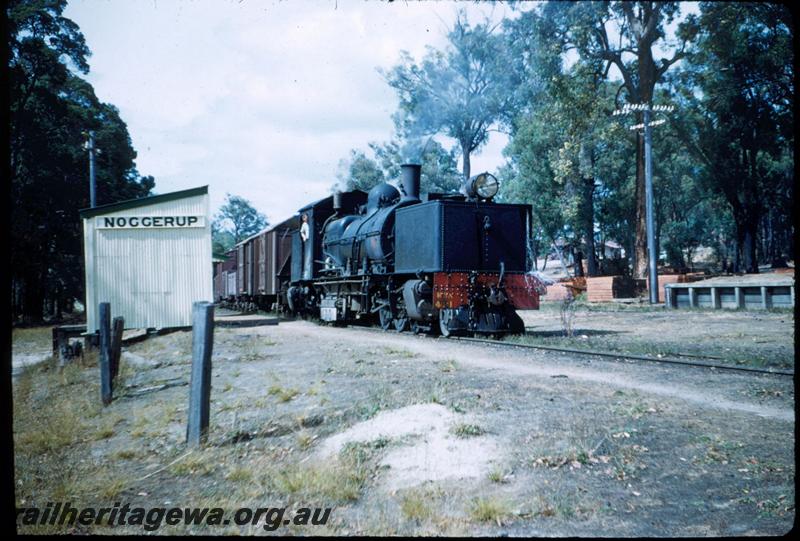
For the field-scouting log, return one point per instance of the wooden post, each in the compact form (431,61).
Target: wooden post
(116,347)
(200,387)
(105,352)
(58,347)
(668,296)
(715,300)
(56,333)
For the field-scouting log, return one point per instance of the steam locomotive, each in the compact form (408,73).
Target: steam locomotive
(449,263)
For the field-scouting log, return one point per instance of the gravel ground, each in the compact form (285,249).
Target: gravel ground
(750,338)
(451,438)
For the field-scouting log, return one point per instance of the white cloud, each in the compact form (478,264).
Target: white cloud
(259,99)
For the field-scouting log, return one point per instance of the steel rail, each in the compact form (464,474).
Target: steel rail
(593,353)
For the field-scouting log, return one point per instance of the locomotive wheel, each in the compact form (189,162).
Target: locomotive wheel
(401,324)
(443,322)
(385,318)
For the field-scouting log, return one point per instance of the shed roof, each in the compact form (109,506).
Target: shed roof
(142,202)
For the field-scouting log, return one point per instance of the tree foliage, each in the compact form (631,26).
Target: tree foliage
(723,164)
(50,109)
(743,68)
(236,220)
(624,36)
(460,92)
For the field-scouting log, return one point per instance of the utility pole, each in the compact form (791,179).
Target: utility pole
(92,151)
(648,183)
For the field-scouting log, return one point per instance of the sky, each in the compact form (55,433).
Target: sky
(260,99)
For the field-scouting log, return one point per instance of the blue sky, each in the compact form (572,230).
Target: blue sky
(258,98)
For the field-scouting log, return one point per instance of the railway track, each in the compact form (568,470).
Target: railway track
(612,355)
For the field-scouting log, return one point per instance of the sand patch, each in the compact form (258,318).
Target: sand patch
(426,449)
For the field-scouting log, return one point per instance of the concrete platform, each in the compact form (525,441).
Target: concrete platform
(747,291)
(238,320)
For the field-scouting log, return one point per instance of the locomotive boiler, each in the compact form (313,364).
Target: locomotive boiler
(449,263)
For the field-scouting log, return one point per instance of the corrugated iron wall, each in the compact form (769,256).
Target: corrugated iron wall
(150,276)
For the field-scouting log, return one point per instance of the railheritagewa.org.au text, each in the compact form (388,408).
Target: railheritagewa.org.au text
(151,519)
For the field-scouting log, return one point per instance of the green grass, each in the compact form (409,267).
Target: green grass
(464,430)
(497,476)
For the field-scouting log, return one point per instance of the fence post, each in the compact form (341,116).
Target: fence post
(105,352)
(200,387)
(116,347)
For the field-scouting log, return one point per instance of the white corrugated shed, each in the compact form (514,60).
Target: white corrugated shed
(150,258)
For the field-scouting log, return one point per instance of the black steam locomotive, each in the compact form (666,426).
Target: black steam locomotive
(453,263)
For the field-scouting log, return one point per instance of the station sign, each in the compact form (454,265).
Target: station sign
(149,222)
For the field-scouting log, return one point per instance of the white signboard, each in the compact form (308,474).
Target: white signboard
(148,222)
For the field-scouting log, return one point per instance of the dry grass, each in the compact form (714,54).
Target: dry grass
(239,474)
(198,463)
(489,510)
(399,352)
(340,480)
(32,338)
(45,422)
(415,505)
(305,439)
(125,454)
(449,366)
(282,394)
(57,416)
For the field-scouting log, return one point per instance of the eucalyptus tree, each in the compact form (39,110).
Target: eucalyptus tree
(361,172)
(240,218)
(50,109)
(743,67)
(563,142)
(625,36)
(460,92)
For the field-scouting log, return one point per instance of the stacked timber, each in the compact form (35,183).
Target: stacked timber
(557,292)
(607,288)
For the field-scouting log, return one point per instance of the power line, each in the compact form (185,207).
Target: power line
(647,110)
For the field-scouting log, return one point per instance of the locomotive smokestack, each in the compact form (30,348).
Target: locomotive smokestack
(337,201)
(410,180)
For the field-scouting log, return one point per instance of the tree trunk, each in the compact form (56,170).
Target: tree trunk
(647,81)
(466,165)
(33,301)
(746,241)
(577,258)
(591,254)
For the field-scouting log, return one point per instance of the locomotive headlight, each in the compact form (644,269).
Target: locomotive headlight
(484,186)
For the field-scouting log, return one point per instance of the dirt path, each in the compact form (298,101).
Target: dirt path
(695,385)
